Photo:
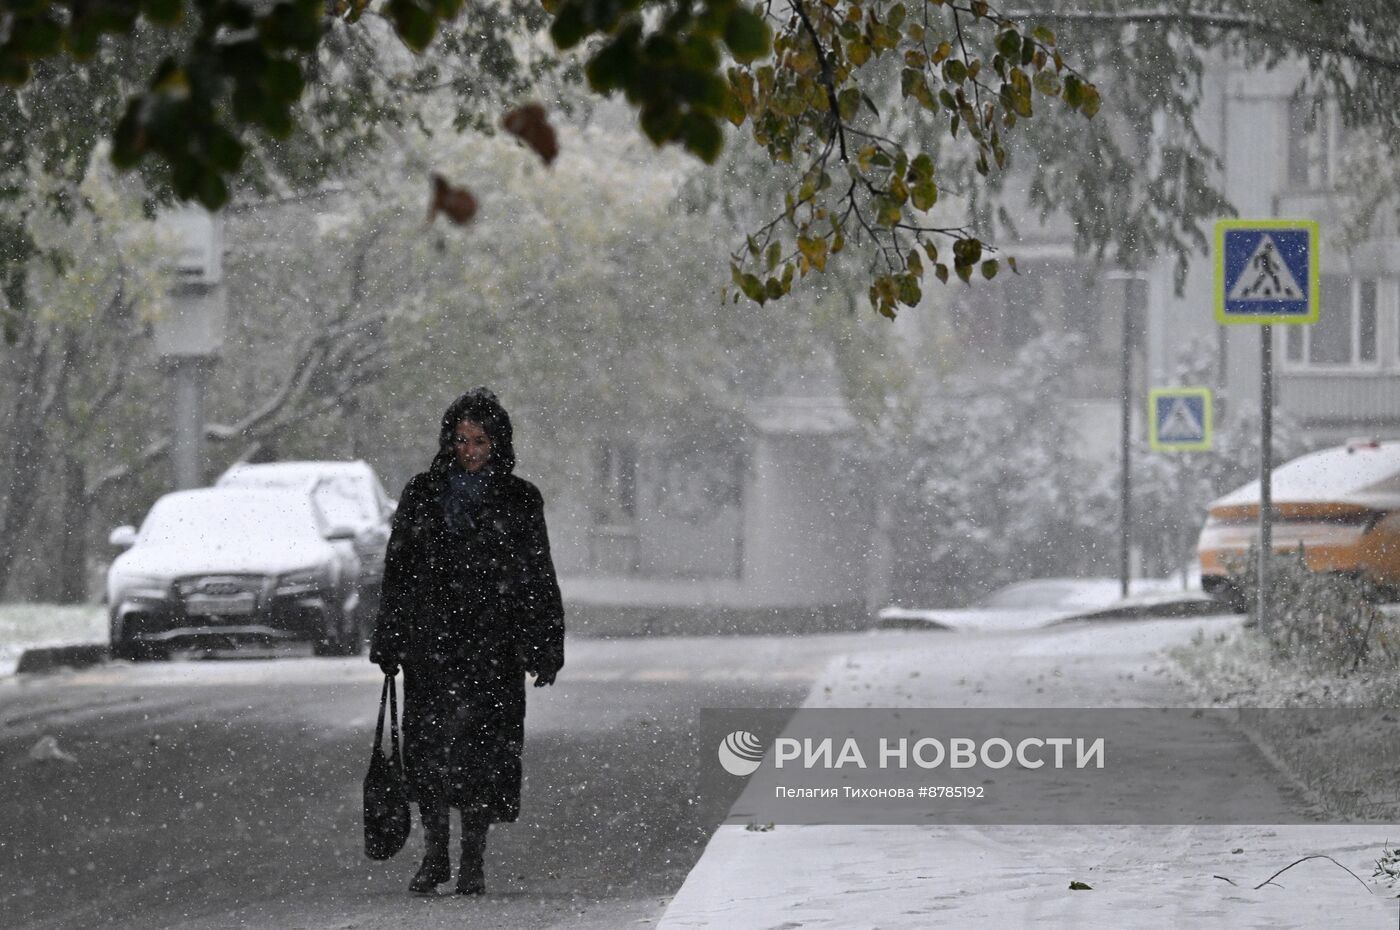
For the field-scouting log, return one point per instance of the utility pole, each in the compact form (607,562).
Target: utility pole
(190,334)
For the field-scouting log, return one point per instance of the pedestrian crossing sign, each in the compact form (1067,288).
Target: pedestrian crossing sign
(1266,271)
(1179,419)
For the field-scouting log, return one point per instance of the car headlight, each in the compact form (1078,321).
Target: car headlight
(149,587)
(307,581)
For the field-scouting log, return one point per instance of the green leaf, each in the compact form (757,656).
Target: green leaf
(702,137)
(899,191)
(775,254)
(924,195)
(163,12)
(753,288)
(1089,105)
(661,121)
(1009,43)
(1043,34)
(1074,91)
(616,63)
(908,290)
(883,37)
(35,36)
(990,268)
(954,70)
(848,102)
(569,27)
(967,251)
(211,190)
(224,150)
(1079,886)
(283,80)
(814,249)
(414,24)
(887,211)
(129,142)
(1047,82)
(747,35)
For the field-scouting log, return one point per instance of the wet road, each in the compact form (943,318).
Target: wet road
(225,793)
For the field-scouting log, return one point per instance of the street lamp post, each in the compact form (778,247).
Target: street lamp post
(189,335)
(1129,289)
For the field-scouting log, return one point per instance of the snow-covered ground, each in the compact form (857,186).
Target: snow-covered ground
(32,626)
(1017,876)
(1037,602)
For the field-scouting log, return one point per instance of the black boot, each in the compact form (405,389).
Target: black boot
(471,876)
(437,863)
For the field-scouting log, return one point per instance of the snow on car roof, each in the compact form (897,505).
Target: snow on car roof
(290,473)
(1356,470)
(260,512)
(345,491)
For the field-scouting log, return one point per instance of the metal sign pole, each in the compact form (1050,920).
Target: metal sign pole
(1266,466)
(1125,501)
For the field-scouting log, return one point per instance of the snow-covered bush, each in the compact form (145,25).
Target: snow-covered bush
(1323,620)
(988,491)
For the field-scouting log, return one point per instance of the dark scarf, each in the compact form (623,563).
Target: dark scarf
(462,500)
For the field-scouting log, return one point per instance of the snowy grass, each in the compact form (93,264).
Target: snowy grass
(1337,734)
(27,626)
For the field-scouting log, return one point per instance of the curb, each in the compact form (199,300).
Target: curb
(54,657)
(909,623)
(1185,608)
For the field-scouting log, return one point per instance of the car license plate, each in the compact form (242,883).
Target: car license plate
(217,605)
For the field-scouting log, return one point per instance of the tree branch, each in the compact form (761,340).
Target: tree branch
(827,79)
(1264,29)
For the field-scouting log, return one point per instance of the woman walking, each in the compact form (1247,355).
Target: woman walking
(470,604)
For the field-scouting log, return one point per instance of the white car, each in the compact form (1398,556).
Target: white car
(347,493)
(230,565)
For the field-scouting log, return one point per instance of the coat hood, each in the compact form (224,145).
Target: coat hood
(481,407)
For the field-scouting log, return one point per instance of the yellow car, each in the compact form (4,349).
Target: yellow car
(1341,505)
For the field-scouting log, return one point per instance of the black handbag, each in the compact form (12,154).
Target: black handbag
(387,820)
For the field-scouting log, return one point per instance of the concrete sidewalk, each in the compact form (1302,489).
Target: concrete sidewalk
(886,877)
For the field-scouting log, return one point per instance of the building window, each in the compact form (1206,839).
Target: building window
(617,483)
(1345,333)
(1310,142)
(612,540)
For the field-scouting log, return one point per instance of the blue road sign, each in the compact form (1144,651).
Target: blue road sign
(1266,271)
(1180,419)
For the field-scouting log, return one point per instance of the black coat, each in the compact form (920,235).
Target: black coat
(466,615)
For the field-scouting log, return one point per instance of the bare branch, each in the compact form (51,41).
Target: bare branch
(1315,41)
(1270,879)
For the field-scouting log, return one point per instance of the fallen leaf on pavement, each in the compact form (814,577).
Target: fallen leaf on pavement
(47,750)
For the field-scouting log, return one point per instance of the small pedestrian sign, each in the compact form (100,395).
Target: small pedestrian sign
(1266,271)
(1179,419)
